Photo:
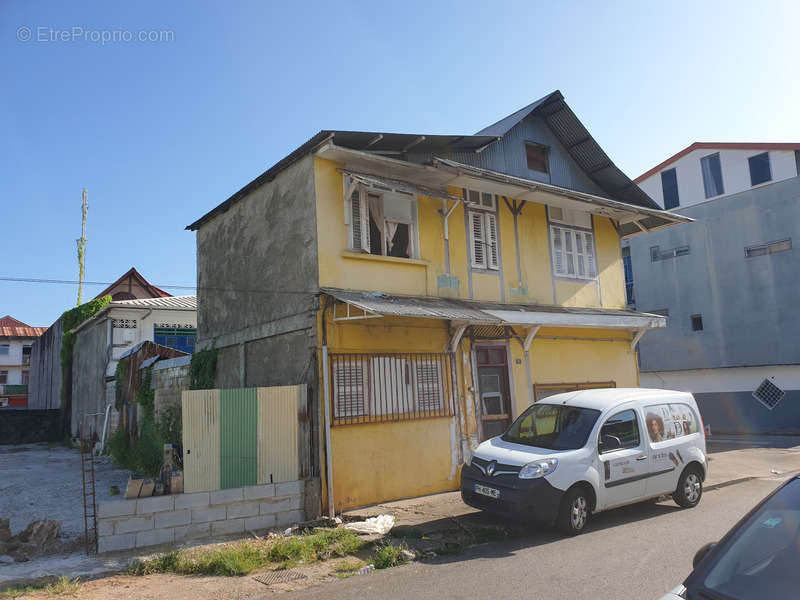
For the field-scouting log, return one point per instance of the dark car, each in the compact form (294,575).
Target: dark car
(759,558)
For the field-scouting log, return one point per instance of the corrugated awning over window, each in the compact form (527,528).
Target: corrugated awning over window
(381,182)
(467,312)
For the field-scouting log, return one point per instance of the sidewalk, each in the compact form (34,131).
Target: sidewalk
(732,460)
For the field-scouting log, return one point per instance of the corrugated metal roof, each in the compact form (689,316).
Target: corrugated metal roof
(580,144)
(551,108)
(495,313)
(11,327)
(171,302)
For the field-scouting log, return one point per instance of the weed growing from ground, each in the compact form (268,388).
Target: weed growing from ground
(60,587)
(388,555)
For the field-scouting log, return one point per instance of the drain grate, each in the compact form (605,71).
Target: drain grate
(282,576)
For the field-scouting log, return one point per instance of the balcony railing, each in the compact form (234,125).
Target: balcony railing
(11,389)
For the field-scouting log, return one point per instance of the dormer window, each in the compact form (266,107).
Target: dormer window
(383,223)
(536,156)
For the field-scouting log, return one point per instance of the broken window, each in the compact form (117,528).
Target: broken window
(383,223)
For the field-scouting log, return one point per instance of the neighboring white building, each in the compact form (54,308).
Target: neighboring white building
(709,170)
(16,339)
(102,339)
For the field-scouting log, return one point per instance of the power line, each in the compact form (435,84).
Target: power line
(172,287)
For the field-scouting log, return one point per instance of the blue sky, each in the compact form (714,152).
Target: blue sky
(161,132)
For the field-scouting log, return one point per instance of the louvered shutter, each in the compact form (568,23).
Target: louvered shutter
(569,251)
(429,385)
(558,251)
(355,219)
(477,240)
(591,266)
(492,250)
(579,258)
(348,389)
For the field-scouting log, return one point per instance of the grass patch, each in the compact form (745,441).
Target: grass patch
(60,587)
(388,555)
(240,559)
(347,567)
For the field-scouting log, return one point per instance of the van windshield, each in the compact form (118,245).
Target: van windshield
(552,426)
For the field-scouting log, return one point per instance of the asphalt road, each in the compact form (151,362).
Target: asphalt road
(637,552)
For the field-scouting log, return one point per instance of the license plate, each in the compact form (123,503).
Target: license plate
(486,491)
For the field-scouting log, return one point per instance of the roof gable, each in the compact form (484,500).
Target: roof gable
(9,321)
(130,277)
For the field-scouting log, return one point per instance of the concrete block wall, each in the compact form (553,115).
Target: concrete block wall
(128,524)
(170,378)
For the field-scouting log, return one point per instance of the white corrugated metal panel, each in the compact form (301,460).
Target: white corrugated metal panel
(177,302)
(200,411)
(277,433)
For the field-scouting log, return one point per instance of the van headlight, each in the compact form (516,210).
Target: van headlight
(538,468)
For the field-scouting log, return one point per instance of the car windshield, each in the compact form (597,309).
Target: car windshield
(552,426)
(761,560)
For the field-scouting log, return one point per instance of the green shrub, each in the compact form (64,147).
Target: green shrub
(170,425)
(148,454)
(203,369)
(119,447)
(388,555)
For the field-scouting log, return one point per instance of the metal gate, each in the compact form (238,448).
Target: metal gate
(241,437)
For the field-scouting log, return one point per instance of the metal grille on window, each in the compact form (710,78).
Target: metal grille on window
(375,388)
(769,394)
(355,221)
(123,323)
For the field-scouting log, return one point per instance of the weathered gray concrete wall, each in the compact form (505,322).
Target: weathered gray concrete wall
(126,524)
(44,389)
(88,375)
(228,365)
(170,378)
(265,244)
(287,359)
(739,412)
(27,426)
(749,305)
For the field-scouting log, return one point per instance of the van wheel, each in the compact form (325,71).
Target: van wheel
(690,488)
(574,511)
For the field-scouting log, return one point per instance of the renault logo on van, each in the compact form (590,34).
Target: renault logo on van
(491,467)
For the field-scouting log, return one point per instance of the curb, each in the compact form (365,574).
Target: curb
(722,484)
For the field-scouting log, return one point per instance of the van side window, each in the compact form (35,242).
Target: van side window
(670,421)
(622,427)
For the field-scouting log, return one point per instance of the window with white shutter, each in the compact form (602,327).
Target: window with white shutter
(573,253)
(483,240)
(349,390)
(428,375)
(382,222)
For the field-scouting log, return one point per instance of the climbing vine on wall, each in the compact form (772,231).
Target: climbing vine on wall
(203,369)
(69,320)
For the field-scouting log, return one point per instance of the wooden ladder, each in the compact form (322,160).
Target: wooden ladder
(89,498)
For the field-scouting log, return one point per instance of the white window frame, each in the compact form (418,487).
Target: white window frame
(344,387)
(561,238)
(483,233)
(492,198)
(363,192)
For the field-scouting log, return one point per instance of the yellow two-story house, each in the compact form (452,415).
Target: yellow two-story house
(427,288)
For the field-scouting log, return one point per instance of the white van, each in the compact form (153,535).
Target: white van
(576,453)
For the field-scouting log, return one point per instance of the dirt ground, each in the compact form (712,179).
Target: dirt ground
(41,481)
(183,587)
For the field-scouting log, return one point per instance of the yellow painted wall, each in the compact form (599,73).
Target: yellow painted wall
(338,268)
(573,360)
(387,461)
